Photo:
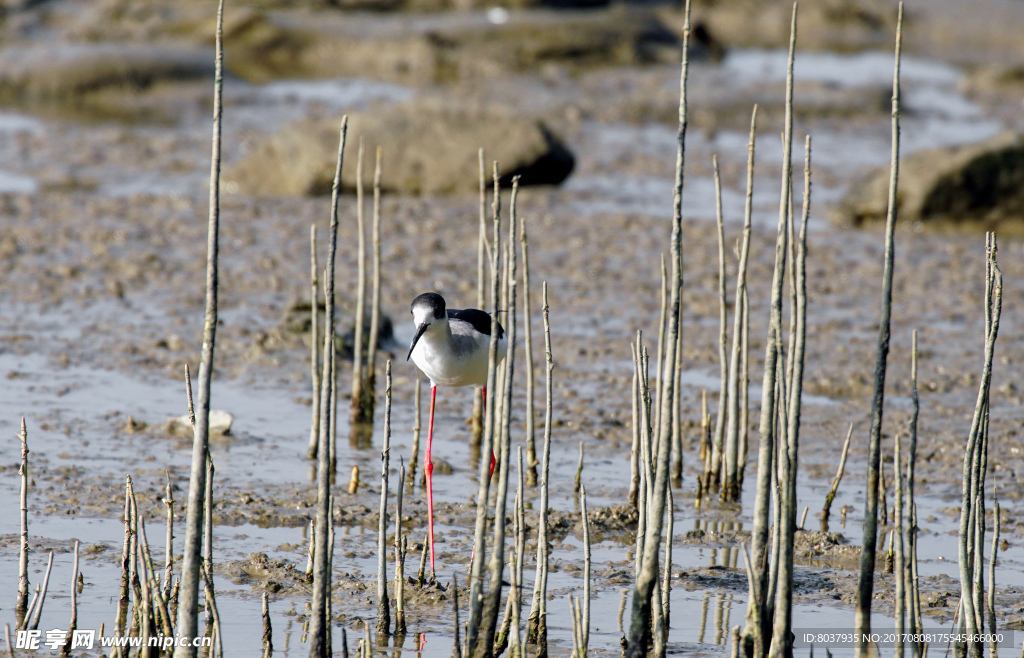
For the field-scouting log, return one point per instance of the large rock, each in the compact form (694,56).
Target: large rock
(426,150)
(981,183)
(55,71)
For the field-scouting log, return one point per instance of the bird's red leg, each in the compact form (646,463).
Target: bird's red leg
(493,460)
(428,470)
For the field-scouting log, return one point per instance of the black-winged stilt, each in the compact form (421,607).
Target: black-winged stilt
(451,348)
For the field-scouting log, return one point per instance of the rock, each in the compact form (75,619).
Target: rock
(57,71)
(107,80)
(426,150)
(980,183)
(295,326)
(836,25)
(220,422)
(439,48)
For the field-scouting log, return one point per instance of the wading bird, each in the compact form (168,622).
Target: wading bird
(451,348)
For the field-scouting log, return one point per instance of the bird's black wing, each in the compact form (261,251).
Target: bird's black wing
(480,320)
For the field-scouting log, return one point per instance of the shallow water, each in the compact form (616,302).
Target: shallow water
(76,412)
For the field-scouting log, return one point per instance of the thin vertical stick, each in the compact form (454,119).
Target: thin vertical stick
(268,631)
(531,442)
(586,572)
(634,455)
(359,324)
(38,611)
(23,586)
(745,387)
(520,524)
(782,635)
(120,625)
(996,521)
(773,346)
(73,624)
(417,427)
(314,343)
(208,515)
(901,591)
(497,565)
(666,582)
(640,616)
(188,610)
(169,551)
(383,605)
(211,602)
(369,388)
(477,421)
(455,612)
(401,543)
(659,364)
(319,621)
(730,488)
(831,496)
(914,608)
(723,319)
(537,623)
(10,645)
(490,423)
(866,582)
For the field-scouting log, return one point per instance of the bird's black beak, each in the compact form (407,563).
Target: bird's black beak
(419,332)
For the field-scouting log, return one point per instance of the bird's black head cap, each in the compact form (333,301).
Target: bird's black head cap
(430,300)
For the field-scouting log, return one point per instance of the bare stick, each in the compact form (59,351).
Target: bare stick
(996,522)
(745,387)
(714,476)
(314,342)
(640,616)
(370,388)
(866,582)
(666,581)
(831,496)
(359,324)
(537,623)
(520,534)
(579,471)
(38,612)
(478,401)
(23,586)
(767,425)
(491,607)
(531,443)
(211,602)
(401,545)
(268,631)
(659,364)
(208,515)
(383,606)
(730,488)
(188,608)
(474,642)
(10,645)
(455,612)
(901,592)
(169,539)
(73,624)
(417,427)
(634,455)
(586,572)
(914,608)
(120,626)
(319,622)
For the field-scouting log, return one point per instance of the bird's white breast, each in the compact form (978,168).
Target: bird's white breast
(458,358)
